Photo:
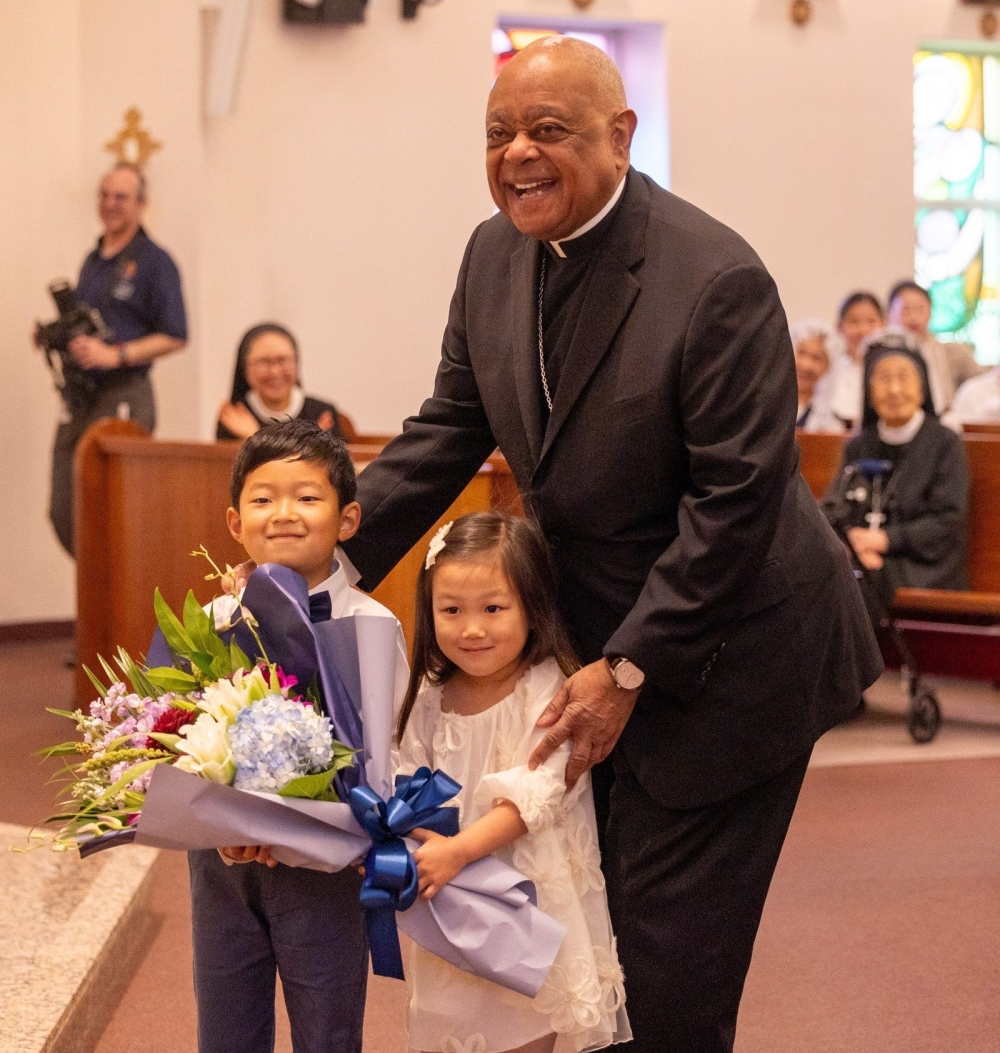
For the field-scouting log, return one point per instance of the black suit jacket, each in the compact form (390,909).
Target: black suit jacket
(667,481)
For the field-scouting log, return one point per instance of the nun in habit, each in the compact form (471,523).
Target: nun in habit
(918,538)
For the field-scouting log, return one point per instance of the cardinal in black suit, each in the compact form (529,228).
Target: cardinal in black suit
(630,357)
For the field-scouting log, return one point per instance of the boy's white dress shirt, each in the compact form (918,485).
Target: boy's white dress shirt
(345,602)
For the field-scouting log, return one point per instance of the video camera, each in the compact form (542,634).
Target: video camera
(75,319)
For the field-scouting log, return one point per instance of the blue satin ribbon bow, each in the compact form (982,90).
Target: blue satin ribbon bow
(391,879)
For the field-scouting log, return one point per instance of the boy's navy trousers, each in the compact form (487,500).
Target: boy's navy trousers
(251,922)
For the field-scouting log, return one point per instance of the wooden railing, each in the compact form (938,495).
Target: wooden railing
(821,457)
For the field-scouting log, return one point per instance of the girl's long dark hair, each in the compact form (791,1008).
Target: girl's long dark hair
(240,385)
(518,546)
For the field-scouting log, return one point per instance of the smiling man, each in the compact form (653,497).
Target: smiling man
(630,357)
(136,286)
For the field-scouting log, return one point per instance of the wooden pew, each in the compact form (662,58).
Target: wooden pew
(142,506)
(951,633)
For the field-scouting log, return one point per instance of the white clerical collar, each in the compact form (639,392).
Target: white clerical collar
(904,433)
(296,401)
(591,223)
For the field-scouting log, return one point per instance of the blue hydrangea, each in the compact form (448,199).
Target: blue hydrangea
(277,740)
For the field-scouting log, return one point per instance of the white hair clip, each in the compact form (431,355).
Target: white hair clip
(436,545)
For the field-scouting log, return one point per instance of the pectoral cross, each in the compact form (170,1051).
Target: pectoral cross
(875,520)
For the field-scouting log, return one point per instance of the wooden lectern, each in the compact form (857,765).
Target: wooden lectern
(142,506)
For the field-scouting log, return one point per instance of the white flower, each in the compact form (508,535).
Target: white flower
(436,546)
(225,698)
(205,744)
(449,736)
(585,860)
(571,997)
(545,865)
(474,1044)
(611,977)
(539,798)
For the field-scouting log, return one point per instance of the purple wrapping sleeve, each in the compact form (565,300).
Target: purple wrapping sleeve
(485,922)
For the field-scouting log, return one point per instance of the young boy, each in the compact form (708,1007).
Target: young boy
(293,491)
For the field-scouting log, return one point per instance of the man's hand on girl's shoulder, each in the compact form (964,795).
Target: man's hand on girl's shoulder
(592,710)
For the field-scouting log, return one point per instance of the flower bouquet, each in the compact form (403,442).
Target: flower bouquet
(208,745)
(216,714)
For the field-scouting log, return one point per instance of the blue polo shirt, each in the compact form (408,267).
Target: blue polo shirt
(138,292)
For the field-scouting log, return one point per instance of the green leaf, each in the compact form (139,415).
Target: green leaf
(238,657)
(312,787)
(319,787)
(204,663)
(176,635)
(171,679)
(129,777)
(182,703)
(101,689)
(141,685)
(108,671)
(62,750)
(170,741)
(63,713)
(200,628)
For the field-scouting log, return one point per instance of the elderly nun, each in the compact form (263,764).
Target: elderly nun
(916,537)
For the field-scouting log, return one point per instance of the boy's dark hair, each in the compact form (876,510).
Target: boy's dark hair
(519,547)
(303,441)
(907,285)
(859,297)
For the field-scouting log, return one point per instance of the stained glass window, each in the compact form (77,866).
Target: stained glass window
(956,181)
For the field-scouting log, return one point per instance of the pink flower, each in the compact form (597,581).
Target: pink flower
(285,680)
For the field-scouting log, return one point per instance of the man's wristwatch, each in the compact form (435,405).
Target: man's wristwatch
(122,350)
(626,675)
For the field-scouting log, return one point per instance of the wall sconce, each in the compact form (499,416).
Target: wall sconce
(989,23)
(802,11)
(583,4)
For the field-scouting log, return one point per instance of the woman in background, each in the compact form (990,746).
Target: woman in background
(860,315)
(917,537)
(266,387)
(816,353)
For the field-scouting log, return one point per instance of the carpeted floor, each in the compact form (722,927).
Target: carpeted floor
(881,935)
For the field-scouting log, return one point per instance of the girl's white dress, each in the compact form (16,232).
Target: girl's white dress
(583,998)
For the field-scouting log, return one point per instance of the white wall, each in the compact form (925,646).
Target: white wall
(41,236)
(339,194)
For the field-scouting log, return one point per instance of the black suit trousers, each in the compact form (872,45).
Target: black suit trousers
(686,890)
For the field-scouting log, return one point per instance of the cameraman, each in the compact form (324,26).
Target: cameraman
(136,287)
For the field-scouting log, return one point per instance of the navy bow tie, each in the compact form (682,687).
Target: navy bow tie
(320,607)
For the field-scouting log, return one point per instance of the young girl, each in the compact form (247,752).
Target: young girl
(489,656)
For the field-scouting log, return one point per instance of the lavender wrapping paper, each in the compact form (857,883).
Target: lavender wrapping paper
(486,921)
